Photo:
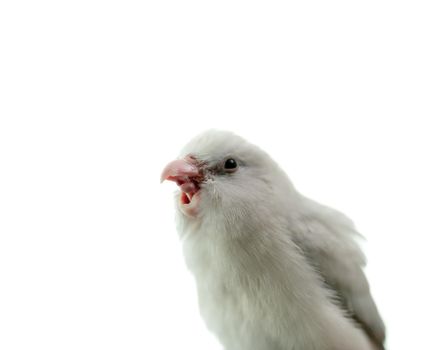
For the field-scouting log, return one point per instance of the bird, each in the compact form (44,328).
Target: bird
(274,270)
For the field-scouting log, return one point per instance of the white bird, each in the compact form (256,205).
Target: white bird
(274,270)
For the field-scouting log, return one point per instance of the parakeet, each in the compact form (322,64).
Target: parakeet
(274,270)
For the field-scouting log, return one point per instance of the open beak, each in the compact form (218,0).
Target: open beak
(187,175)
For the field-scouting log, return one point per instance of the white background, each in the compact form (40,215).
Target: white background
(97,96)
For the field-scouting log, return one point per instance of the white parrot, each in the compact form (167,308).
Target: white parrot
(274,270)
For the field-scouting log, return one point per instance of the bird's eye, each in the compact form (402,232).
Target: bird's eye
(230,165)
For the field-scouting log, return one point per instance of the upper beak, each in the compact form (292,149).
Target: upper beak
(179,169)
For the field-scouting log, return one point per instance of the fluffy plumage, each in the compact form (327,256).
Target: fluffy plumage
(274,270)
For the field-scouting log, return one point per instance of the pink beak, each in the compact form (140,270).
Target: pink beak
(180,170)
(187,175)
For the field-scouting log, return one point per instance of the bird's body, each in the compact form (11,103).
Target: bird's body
(274,270)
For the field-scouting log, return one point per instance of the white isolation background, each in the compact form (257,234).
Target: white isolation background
(97,96)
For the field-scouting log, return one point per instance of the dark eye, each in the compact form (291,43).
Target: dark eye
(230,164)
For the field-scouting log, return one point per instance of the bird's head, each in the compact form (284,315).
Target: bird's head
(221,174)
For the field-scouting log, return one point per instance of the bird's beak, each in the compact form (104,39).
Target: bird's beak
(187,175)
(180,170)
